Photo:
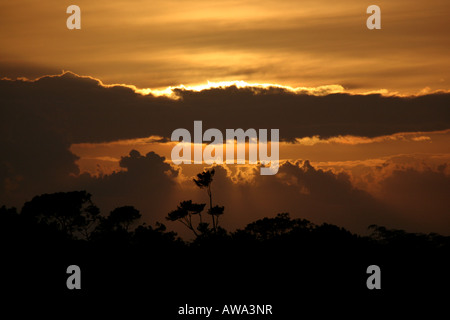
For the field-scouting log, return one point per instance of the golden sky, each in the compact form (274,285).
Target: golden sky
(155,44)
(350,159)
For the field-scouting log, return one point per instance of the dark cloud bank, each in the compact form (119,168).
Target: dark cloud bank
(41,119)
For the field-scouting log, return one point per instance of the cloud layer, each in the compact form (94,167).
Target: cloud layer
(80,110)
(41,119)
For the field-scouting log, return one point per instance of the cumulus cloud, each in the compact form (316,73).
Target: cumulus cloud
(146,182)
(304,191)
(155,188)
(407,198)
(418,191)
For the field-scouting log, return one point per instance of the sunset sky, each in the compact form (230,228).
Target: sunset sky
(364,115)
(308,43)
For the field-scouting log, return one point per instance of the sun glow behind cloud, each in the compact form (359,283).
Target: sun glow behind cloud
(329,153)
(172,92)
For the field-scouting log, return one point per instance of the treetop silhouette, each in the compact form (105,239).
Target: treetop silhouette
(186,209)
(184,213)
(72,213)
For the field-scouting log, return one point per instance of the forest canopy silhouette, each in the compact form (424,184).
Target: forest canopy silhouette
(123,254)
(74,217)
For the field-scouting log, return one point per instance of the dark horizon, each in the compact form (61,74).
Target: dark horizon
(126,261)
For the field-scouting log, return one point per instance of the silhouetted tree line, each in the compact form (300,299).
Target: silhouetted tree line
(122,254)
(73,217)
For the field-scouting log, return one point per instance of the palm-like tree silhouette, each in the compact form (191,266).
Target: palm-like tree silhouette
(186,209)
(204,181)
(184,213)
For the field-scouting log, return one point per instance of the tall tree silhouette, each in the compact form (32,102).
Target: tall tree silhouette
(204,181)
